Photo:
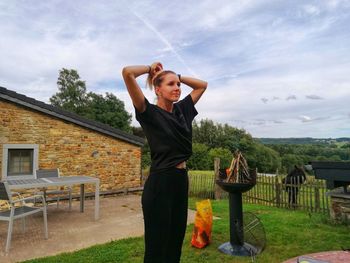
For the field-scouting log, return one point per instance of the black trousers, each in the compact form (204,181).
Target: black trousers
(164,206)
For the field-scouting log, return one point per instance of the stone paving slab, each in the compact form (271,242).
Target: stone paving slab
(326,256)
(120,217)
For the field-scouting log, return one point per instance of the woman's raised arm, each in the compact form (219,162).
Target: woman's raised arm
(198,86)
(130,73)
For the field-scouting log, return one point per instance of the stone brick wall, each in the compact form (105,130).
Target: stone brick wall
(340,207)
(73,149)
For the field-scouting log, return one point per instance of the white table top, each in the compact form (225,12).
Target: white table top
(54,181)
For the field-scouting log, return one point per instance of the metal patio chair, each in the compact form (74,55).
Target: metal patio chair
(16,212)
(54,173)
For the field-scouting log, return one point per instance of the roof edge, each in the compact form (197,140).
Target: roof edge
(48,109)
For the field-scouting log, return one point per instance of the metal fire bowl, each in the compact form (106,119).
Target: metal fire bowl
(235,187)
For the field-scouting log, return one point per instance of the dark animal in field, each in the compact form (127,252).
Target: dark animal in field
(292,183)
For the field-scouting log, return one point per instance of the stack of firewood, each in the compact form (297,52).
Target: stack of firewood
(239,170)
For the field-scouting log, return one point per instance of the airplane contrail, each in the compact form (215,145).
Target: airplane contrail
(164,40)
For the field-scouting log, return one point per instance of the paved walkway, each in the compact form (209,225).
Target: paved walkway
(326,256)
(120,217)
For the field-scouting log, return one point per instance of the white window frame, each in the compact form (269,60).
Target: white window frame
(5,151)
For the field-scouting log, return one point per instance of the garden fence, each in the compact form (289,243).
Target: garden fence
(269,190)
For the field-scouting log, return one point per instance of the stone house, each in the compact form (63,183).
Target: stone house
(36,135)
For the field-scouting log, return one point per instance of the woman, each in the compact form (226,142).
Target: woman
(168,128)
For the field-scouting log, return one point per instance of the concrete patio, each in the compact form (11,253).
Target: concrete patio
(120,217)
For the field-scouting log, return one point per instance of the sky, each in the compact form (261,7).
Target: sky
(274,68)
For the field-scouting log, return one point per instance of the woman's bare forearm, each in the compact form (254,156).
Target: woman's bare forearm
(198,86)
(194,83)
(135,71)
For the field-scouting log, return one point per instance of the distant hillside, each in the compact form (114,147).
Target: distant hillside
(306,140)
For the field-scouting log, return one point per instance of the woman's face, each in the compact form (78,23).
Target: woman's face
(169,89)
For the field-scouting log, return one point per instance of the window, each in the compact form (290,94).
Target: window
(19,160)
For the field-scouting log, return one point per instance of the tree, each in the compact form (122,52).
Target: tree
(72,92)
(290,160)
(205,132)
(108,109)
(264,158)
(200,159)
(146,156)
(232,139)
(217,135)
(72,96)
(224,154)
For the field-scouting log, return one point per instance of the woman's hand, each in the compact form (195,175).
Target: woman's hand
(156,67)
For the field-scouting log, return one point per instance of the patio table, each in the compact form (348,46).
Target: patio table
(62,181)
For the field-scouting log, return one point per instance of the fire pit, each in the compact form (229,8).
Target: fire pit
(237,180)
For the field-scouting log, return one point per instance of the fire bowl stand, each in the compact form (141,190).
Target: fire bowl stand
(236,246)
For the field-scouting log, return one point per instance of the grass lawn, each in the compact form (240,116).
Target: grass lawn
(289,234)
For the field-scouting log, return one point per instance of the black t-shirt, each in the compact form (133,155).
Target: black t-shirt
(169,134)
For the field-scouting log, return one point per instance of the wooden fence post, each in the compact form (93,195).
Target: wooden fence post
(317,197)
(278,192)
(218,191)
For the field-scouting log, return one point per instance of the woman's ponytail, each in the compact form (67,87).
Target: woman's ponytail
(149,80)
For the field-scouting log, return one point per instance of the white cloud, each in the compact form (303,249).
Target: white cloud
(314,97)
(291,97)
(267,63)
(264,100)
(312,10)
(305,118)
